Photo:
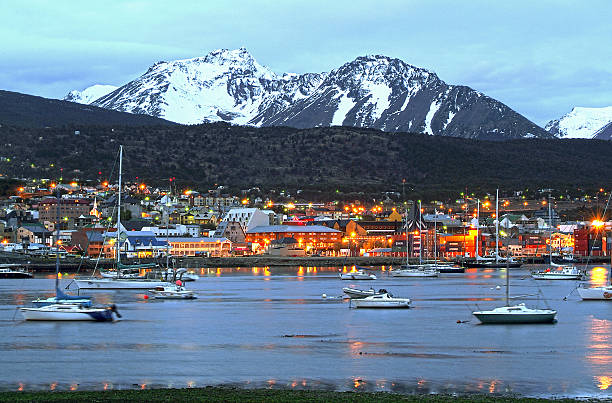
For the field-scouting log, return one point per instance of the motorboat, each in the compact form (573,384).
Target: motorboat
(354,293)
(190,276)
(565,273)
(175,291)
(70,312)
(14,271)
(358,275)
(385,300)
(596,293)
(515,314)
(414,271)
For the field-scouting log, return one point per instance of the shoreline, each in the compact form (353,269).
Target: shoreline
(39,264)
(233,394)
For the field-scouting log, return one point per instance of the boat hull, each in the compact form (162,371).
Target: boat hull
(91,315)
(112,284)
(401,273)
(596,293)
(499,265)
(489,318)
(361,303)
(548,276)
(173,295)
(15,274)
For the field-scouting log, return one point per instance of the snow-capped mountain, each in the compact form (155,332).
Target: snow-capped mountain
(580,123)
(371,91)
(89,94)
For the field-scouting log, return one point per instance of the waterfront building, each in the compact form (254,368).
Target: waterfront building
(200,246)
(309,237)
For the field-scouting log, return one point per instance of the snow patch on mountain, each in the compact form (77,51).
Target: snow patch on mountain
(580,123)
(89,94)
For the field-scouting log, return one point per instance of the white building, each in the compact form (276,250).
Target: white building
(248,218)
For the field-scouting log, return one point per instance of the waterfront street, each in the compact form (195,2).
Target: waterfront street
(270,327)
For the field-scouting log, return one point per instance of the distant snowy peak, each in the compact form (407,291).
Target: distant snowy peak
(371,91)
(580,123)
(89,94)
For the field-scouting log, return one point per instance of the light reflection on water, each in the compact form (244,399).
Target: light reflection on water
(599,276)
(233,334)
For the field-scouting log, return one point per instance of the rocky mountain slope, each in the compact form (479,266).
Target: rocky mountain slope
(580,123)
(371,91)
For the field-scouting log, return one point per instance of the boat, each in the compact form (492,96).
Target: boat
(120,282)
(70,312)
(444,267)
(565,273)
(358,275)
(174,291)
(354,293)
(67,307)
(13,271)
(495,261)
(514,314)
(556,271)
(385,300)
(414,271)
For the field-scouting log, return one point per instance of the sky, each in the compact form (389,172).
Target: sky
(539,57)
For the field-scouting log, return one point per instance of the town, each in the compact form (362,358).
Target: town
(212,223)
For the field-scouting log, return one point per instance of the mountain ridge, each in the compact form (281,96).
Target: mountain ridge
(373,91)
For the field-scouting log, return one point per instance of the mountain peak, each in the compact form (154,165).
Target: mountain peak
(581,122)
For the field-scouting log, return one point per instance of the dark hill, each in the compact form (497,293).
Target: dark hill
(321,158)
(30,111)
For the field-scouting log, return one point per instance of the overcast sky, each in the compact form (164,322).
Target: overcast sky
(541,57)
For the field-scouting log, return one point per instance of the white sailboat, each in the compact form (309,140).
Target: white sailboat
(556,271)
(119,282)
(496,261)
(420,270)
(514,314)
(64,307)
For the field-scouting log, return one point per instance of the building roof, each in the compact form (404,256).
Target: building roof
(197,239)
(290,228)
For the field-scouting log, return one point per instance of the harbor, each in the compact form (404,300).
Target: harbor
(270,327)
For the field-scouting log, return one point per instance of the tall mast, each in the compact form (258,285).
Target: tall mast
(477,229)
(406,229)
(168,231)
(550,229)
(420,235)
(57,236)
(507,277)
(497,226)
(435,235)
(119,208)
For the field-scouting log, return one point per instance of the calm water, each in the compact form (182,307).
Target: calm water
(270,327)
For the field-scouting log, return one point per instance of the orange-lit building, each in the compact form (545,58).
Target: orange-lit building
(202,246)
(309,237)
